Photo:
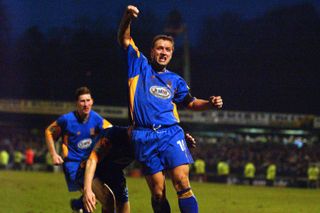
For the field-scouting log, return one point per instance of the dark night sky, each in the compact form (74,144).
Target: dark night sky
(46,14)
(56,13)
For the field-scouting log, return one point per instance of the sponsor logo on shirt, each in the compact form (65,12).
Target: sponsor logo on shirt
(85,143)
(160,92)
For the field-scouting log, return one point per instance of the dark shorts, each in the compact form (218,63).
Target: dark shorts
(112,175)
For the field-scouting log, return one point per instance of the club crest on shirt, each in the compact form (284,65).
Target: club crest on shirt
(92,131)
(160,92)
(85,143)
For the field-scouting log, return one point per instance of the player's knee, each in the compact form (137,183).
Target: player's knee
(158,196)
(123,207)
(181,182)
(158,192)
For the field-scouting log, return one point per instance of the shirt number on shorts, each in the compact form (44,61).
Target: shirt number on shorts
(181,144)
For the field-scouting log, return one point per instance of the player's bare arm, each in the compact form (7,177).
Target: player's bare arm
(89,198)
(201,104)
(52,133)
(124,27)
(98,152)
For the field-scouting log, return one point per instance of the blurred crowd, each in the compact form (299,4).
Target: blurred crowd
(290,154)
(291,157)
(23,149)
(285,159)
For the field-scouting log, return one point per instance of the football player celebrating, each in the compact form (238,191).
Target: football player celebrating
(158,140)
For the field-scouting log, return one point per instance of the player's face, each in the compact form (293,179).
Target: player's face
(161,53)
(84,104)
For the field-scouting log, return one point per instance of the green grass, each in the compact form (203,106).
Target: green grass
(38,192)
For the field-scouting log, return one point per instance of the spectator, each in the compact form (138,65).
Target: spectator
(313,176)
(200,170)
(249,172)
(223,171)
(29,159)
(4,159)
(17,160)
(271,174)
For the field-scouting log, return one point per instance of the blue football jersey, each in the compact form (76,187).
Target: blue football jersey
(153,96)
(78,137)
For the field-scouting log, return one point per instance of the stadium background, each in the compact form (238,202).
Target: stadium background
(262,59)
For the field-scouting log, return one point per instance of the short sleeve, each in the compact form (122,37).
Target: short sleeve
(62,122)
(135,60)
(182,91)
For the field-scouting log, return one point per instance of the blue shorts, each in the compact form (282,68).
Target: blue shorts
(161,149)
(71,174)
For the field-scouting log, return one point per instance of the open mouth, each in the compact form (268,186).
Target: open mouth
(163,59)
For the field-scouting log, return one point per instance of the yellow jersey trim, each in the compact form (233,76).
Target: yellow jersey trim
(132,82)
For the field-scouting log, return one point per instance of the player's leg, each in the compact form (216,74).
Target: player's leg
(74,178)
(146,152)
(180,179)
(118,184)
(156,183)
(177,157)
(111,174)
(105,195)
(77,205)
(123,207)
(121,193)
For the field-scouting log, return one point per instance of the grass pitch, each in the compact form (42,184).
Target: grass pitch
(39,192)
